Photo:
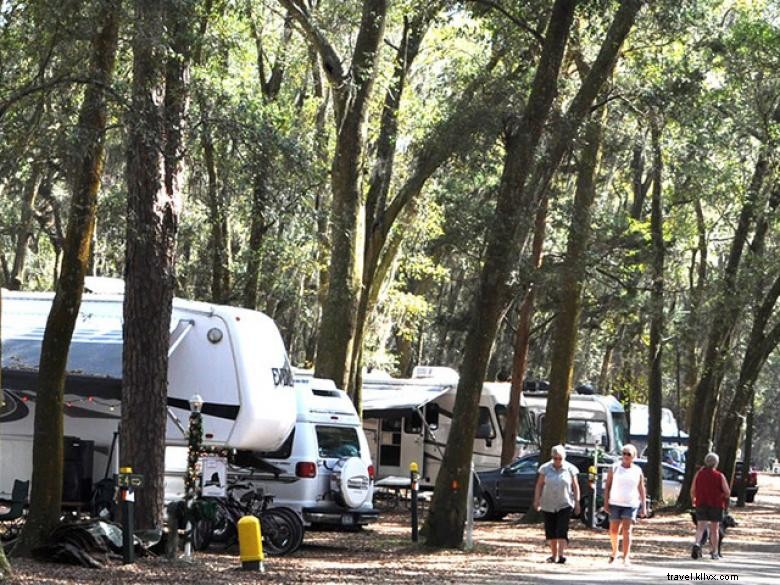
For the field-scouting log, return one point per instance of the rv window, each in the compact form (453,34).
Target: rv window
(392,424)
(338,442)
(524,427)
(390,455)
(525,430)
(432,416)
(249,458)
(485,429)
(583,432)
(619,430)
(501,414)
(413,424)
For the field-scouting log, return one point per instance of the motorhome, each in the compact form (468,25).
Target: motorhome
(409,420)
(233,358)
(671,434)
(593,420)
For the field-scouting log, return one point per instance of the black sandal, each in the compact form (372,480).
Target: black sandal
(561,560)
(550,560)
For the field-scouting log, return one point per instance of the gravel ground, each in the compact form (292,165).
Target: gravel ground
(505,552)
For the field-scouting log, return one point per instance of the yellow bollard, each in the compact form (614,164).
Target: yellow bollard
(250,544)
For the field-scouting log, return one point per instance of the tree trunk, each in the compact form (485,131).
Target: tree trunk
(351,93)
(515,203)
(572,280)
(748,454)
(655,377)
(440,145)
(760,345)
(219,242)
(522,340)
(727,309)
(376,198)
(46,494)
(24,231)
(692,332)
(258,225)
(447,514)
(154,173)
(257,230)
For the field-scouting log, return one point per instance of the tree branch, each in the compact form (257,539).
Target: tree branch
(331,61)
(523,25)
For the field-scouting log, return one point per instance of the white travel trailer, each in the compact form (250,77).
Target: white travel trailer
(409,420)
(594,420)
(234,358)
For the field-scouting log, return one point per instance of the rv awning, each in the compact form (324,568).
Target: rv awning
(386,400)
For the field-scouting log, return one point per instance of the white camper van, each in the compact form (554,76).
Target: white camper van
(594,420)
(234,358)
(671,434)
(409,420)
(323,469)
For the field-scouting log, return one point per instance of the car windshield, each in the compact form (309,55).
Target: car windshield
(525,465)
(338,442)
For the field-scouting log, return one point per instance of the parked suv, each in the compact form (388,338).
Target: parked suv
(751,489)
(323,471)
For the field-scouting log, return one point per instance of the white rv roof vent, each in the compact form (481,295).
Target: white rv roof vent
(439,373)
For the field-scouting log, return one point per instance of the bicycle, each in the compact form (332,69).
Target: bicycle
(281,528)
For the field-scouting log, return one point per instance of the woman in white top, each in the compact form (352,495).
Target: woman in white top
(625,495)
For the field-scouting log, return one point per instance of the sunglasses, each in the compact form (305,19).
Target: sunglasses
(627,453)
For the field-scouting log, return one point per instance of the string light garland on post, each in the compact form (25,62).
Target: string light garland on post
(194,509)
(194,443)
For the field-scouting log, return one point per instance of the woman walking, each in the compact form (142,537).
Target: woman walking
(710,495)
(557,494)
(624,497)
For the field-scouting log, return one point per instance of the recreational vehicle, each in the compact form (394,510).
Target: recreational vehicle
(233,358)
(594,420)
(671,434)
(323,470)
(409,420)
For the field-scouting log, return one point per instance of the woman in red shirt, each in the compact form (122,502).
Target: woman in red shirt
(710,494)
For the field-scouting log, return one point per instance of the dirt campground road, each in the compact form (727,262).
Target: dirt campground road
(505,552)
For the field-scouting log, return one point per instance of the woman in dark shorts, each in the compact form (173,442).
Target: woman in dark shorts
(557,494)
(710,495)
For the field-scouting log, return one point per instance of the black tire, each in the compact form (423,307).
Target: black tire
(297,523)
(223,530)
(202,533)
(280,534)
(485,509)
(586,515)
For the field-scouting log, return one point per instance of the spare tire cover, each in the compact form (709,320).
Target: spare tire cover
(352,481)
